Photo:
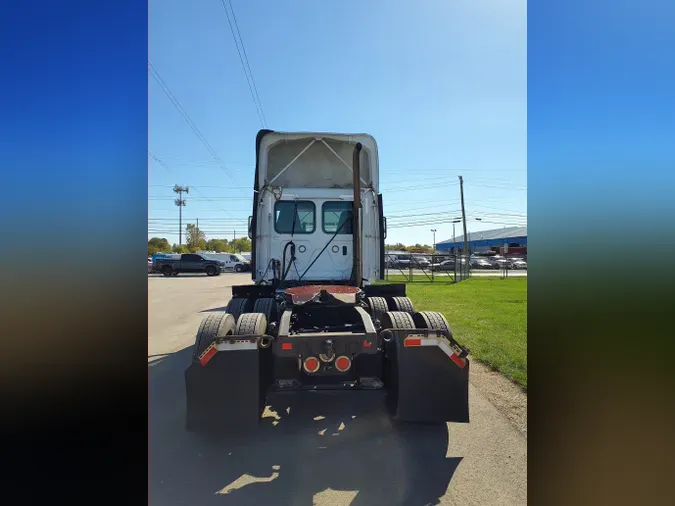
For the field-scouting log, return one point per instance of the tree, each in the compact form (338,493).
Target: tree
(200,246)
(158,245)
(194,236)
(395,247)
(241,244)
(218,245)
(419,248)
(180,248)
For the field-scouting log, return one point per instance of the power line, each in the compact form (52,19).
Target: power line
(419,187)
(212,199)
(246,66)
(195,189)
(448,221)
(161,163)
(499,187)
(167,91)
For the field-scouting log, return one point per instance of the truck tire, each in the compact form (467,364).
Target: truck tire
(237,306)
(431,320)
(217,324)
(237,268)
(397,320)
(268,307)
(401,304)
(210,270)
(251,324)
(378,306)
(167,270)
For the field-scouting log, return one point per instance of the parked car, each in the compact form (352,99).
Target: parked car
(499,262)
(447,265)
(480,263)
(518,263)
(188,262)
(420,262)
(398,261)
(149,265)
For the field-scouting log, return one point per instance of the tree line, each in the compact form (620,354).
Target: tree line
(415,248)
(195,240)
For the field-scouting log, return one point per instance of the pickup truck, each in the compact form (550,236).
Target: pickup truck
(188,262)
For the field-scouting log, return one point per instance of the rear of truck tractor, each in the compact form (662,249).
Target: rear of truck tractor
(324,337)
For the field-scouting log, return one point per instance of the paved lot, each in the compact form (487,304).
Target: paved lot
(325,450)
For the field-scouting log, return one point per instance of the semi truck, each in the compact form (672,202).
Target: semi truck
(317,316)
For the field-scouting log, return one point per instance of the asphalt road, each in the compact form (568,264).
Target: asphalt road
(328,450)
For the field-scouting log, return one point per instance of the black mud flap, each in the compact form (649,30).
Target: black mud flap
(228,393)
(423,383)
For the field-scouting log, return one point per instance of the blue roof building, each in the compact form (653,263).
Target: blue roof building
(486,240)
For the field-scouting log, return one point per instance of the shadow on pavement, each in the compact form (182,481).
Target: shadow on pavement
(312,448)
(214,309)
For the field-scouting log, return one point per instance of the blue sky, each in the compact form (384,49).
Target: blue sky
(441,85)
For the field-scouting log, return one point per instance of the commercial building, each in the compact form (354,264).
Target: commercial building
(488,240)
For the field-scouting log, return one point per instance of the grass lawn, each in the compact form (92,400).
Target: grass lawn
(487,315)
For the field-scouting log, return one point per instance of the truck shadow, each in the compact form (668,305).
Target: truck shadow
(338,448)
(214,309)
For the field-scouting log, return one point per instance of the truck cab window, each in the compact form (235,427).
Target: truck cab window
(336,215)
(304,217)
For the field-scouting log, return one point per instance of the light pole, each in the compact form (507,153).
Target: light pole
(433,231)
(456,220)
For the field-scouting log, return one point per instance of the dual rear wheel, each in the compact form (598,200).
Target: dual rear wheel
(223,324)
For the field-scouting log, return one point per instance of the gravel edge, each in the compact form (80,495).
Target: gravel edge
(506,396)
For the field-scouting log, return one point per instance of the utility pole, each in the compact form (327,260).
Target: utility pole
(180,203)
(461,193)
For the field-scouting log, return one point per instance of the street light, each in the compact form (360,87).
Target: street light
(433,231)
(456,220)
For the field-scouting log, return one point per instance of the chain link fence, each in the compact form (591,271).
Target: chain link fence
(411,267)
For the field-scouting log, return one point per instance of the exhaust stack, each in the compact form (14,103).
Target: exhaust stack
(356,214)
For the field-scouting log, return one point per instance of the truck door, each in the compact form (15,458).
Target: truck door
(338,260)
(191,263)
(294,221)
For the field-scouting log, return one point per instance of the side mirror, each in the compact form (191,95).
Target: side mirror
(250,232)
(385,226)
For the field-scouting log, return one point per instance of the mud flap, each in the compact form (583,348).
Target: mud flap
(423,383)
(227,393)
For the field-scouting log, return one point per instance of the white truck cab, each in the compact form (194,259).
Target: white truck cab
(303,208)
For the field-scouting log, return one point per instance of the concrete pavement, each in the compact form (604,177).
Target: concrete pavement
(336,449)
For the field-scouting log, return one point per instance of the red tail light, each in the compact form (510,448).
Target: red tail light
(311,365)
(343,363)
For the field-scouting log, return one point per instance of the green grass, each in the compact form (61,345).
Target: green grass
(487,315)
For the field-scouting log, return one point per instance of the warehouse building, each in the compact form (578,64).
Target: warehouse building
(486,241)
